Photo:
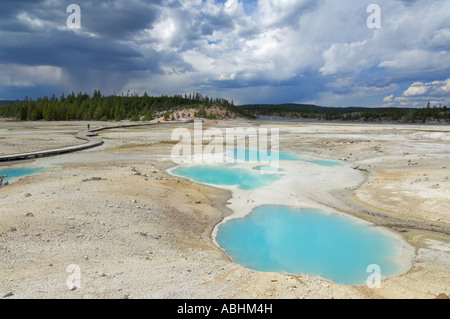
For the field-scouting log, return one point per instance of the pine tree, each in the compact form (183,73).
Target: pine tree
(22,114)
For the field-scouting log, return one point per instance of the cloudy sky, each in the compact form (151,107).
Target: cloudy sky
(256,51)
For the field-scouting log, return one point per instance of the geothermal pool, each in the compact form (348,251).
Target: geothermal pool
(258,177)
(227,175)
(284,239)
(14,173)
(247,155)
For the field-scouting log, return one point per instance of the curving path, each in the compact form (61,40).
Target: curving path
(90,136)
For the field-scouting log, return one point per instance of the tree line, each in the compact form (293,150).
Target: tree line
(106,108)
(133,107)
(437,113)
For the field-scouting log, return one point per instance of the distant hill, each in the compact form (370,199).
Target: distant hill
(429,114)
(4,102)
(317,108)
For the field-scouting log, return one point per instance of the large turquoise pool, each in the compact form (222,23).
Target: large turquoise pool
(305,241)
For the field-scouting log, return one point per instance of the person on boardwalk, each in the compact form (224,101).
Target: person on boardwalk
(89,127)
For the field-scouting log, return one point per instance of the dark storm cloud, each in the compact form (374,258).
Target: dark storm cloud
(34,33)
(65,49)
(119,19)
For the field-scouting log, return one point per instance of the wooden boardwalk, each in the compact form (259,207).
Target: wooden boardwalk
(90,136)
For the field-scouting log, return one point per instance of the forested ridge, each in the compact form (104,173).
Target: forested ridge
(106,108)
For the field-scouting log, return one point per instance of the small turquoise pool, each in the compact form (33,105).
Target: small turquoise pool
(305,241)
(247,155)
(14,173)
(322,162)
(227,175)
